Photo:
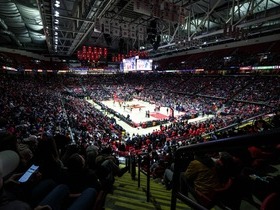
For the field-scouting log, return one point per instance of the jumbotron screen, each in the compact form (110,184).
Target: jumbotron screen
(129,64)
(135,64)
(144,64)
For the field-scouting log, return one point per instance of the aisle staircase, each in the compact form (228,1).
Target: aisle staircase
(127,196)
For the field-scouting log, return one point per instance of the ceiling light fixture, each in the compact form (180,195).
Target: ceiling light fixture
(56,13)
(57,3)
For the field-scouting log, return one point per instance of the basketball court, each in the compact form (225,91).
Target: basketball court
(138,109)
(137,112)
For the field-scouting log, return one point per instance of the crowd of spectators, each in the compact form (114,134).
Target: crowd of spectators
(260,90)
(225,87)
(47,121)
(230,175)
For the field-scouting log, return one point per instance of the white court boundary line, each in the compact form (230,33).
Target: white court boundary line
(139,116)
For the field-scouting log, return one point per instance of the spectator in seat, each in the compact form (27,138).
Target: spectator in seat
(276,119)
(168,176)
(78,176)
(200,177)
(47,158)
(158,170)
(107,167)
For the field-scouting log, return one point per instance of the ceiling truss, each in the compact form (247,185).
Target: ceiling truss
(39,24)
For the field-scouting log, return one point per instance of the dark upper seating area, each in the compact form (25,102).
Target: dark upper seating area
(264,54)
(253,55)
(18,61)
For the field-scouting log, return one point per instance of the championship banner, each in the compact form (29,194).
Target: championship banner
(166,6)
(142,6)
(116,28)
(132,27)
(166,15)
(136,5)
(124,26)
(107,30)
(156,11)
(140,29)
(156,2)
(160,9)
(132,31)
(116,32)
(106,25)
(125,33)
(132,34)
(115,24)
(141,37)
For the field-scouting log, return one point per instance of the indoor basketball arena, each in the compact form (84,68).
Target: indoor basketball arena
(137,104)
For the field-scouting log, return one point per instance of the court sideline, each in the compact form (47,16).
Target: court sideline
(139,115)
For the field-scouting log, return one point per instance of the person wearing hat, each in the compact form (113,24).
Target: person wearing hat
(9,161)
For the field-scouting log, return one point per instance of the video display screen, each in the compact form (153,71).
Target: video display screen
(144,64)
(129,64)
(134,64)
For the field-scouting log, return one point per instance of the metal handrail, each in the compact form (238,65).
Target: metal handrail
(147,173)
(263,138)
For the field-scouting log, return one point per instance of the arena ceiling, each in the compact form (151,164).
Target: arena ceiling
(61,27)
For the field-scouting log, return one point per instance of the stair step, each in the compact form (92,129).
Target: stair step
(127,196)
